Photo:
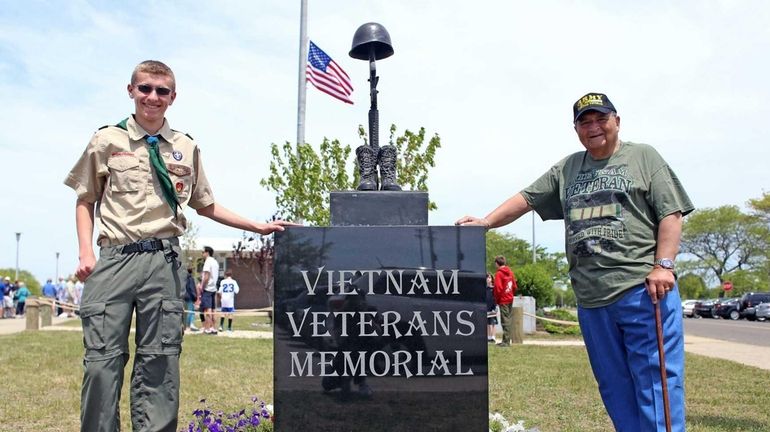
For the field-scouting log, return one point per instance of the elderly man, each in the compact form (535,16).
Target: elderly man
(622,207)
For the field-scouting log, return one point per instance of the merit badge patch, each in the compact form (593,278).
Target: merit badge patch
(177,155)
(179,187)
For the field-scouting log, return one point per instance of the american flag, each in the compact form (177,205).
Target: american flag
(326,75)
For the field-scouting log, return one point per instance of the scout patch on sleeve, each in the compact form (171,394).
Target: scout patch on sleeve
(180,170)
(179,187)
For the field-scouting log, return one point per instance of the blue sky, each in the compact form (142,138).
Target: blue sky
(495,79)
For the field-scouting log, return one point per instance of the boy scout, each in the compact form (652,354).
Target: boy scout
(139,175)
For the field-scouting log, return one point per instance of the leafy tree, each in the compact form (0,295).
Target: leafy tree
(724,240)
(518,255)
(761,207)
(691,286)
(569,298)
(517,252)
(533,280)
(189,245)
(747,281)
(24,276)
(302,178)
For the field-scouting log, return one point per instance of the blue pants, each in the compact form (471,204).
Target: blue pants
(622,346)
(190,315)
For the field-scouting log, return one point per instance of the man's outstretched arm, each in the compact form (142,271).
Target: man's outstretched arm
(507,212)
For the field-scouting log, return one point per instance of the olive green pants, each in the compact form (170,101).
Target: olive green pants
(148,283)
(506,322)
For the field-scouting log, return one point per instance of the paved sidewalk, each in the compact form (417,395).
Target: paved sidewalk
(751,355)
(16,325)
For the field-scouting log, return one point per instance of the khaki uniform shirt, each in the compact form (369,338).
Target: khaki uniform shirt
(115,172)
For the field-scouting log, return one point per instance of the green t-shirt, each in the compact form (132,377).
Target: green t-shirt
(611,210)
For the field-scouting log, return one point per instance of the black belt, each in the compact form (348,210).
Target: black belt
(148,245)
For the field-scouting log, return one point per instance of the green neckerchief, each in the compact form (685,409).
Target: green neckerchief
(160,170)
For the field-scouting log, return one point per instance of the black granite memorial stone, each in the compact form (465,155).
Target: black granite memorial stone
(380,329)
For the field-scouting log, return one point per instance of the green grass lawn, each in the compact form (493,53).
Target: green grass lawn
(551,388)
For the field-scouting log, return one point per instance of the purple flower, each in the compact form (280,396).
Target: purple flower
(198,413)
(255,419)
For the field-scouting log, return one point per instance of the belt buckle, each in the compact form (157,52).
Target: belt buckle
(146,245)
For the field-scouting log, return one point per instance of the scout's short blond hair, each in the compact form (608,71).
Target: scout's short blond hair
(153,67)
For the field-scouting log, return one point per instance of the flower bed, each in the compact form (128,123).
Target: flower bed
(259,418)
(256,418)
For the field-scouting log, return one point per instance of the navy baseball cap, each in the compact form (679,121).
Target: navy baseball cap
(592,102)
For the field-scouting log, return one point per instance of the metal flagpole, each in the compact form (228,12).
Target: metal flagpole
(301,83)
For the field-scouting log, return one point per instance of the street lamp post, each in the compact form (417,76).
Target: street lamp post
(18,237)
(534,248)
(57,268)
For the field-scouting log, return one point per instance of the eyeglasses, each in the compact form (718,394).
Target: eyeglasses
(147,89)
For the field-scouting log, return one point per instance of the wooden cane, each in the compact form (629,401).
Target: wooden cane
(662,358)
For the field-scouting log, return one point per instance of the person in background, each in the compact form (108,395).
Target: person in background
(227,291)
(49,292)
(505,289)
(7,293)
(491,309)
(61,298)
(72,296)
(190,298)
(210,274)
(21,299)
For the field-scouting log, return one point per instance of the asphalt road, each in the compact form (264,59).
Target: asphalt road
(741,331)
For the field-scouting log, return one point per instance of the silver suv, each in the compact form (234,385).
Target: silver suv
(762,311)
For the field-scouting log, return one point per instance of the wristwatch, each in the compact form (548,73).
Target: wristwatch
(666,263)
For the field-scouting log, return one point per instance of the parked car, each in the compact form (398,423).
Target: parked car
(687,308)
(704,308)
(728,308)
(762,311)
(749,301)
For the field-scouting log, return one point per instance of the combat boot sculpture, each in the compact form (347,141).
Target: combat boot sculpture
(386,159)
(367,168)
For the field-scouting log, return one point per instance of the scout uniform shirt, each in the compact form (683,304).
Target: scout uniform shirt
(115,171)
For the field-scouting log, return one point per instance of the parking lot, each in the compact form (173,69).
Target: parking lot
(741,331)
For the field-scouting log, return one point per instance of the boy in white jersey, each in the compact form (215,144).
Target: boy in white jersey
(227,291)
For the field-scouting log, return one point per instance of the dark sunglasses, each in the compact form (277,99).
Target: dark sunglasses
(147,89)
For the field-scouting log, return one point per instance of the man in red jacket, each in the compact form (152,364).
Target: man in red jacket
(505,288)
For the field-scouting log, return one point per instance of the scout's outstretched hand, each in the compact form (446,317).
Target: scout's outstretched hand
(273,226)
(472,221)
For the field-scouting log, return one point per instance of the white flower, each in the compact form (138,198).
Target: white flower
(518,427)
